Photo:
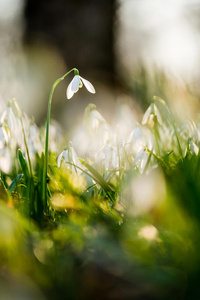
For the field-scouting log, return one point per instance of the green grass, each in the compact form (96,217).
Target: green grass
(120,222)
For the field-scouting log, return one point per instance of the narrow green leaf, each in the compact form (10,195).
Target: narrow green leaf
(23,164)
(96,175)
(14,183)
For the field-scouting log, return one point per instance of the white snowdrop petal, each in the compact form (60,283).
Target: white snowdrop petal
(11,120)
(3,136)
(65,155)
(74,156)
(5,160)
(75,84)
(114,158)
(62,157)
(3,117)
(137,134)
(59,160)
(157,113)
(146,115)
(88,85)
(96,119)
(138,157)
(97,115)
(69,93)
(193,148)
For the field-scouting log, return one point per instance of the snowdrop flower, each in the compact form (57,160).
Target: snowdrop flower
(193,148)
(151,113)
(76,83)
(68,156)
(96,119)
(9,119)
(5,160)
(141,160)
(188,129)
(108,154)
(190,147)
(111,154)
(34,141)
(3,136)
(139,139)
(93,119)
(13,126)
(136,141)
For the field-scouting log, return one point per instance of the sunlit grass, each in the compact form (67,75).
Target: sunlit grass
(121,202)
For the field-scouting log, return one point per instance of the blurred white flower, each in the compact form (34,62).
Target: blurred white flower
(189,138)
(145,193)
(194,149)
(136,141)
(63,157)
(34,141)
(13,126)
(9,119)
(108,154)
(76,83)
(115,159)
(68,156)
(111,154)
(5,160)
(149,232)
(151,113)
(188,129)
(3,136)
(139,139)
(96,119)
(141,160)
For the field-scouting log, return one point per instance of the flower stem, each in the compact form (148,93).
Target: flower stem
(24,136)
(44,184)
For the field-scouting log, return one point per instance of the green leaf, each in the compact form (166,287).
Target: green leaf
(14,183)
(23,164)
(98,178)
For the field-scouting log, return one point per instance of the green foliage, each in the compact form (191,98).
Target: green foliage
(123,221)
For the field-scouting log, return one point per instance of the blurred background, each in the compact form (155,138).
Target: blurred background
(130,50)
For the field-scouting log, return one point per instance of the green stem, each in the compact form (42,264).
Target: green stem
(157,136)
(30,181)
(44,189)
(2,181)
(24,136)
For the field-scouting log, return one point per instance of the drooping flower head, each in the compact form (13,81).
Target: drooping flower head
(152,114)
(70,159)
(76,83)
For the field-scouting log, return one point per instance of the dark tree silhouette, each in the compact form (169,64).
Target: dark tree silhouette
(82,31)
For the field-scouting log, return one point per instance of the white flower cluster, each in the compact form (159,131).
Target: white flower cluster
(12,138)
(126,145)
(129,148)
